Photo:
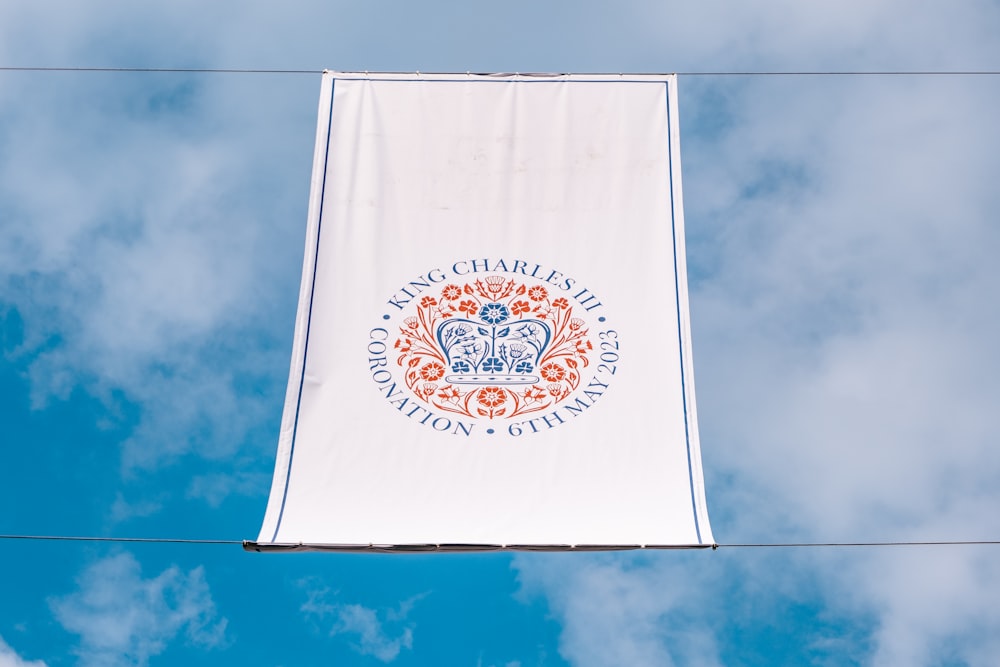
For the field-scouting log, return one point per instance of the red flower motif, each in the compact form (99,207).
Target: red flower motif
(428,301)
(494,284)
(491,397)
(561,303)
(432,371)
(451,292)
(538,293)
(553,372)
(469,307)
(520,307)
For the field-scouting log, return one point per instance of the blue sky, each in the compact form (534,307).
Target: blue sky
(841,241)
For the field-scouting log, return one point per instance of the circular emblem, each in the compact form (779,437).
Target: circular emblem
(494,346)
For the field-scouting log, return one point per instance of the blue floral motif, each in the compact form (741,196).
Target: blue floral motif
(524,367)
(461,367)
(494,313)
(492,365)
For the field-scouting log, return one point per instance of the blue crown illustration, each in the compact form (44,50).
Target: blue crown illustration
(494,350)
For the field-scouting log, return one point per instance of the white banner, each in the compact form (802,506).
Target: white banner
(492,346)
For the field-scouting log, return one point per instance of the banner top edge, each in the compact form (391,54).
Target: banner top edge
(500,76)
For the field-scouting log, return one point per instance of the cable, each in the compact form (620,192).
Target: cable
(746,545)
(782,545)
(200,70)
(163,70)
(849,73)
(154,540)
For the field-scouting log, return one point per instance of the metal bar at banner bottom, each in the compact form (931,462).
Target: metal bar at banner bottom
(249,545)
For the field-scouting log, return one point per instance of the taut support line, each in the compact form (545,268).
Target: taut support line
(142,540)
(210,70)
(249,545)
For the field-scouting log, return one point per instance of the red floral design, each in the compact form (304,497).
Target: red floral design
(537,293)
(553,372)
(494,284)
(491,397)
(425,362)
(432,371)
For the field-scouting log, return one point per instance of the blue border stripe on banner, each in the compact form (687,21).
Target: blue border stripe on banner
(677,296)
(312,292)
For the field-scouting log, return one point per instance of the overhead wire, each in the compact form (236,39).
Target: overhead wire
(149,540)
(734,545)
(235,70)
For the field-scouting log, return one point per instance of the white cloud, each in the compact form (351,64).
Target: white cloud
(125,619)
(786,35)
(512,663)
(123,510)
(8,658)
(214,488)
(936,607)
(620,611)
(152,225)
(372,639)
(153,272)
(841,237)
(845,357)
(380,633)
